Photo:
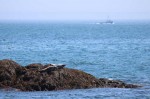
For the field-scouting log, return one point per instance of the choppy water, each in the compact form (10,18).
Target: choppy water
(119,51)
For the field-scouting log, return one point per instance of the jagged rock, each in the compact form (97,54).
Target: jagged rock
(34,66)
(36,77)
(8,71)
(21,71)
(115,83)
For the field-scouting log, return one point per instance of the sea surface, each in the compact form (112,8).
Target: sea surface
(119,51)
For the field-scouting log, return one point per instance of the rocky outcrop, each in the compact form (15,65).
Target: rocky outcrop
(38,77)
(8,72)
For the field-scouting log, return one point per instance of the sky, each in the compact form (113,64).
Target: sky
(72,10)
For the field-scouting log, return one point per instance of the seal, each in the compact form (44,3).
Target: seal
(52,67)
(59,66)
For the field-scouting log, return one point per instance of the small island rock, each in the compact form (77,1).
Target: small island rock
(37,77)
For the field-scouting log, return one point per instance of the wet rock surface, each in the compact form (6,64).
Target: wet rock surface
(38,77)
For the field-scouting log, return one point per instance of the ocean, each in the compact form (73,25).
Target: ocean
(119,51)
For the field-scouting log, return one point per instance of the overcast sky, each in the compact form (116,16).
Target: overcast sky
(74,9)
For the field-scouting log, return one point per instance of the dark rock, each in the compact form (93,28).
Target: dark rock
(21,71)
(8,63)
(8,72)
(61,66)
(34,66)
(36,77)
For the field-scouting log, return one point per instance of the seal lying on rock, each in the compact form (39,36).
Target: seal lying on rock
(52,67)
(51,77)
(59,66)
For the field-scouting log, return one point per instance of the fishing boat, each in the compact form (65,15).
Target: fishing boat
(108,21)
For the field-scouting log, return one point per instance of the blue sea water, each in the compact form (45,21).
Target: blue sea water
(118,51)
